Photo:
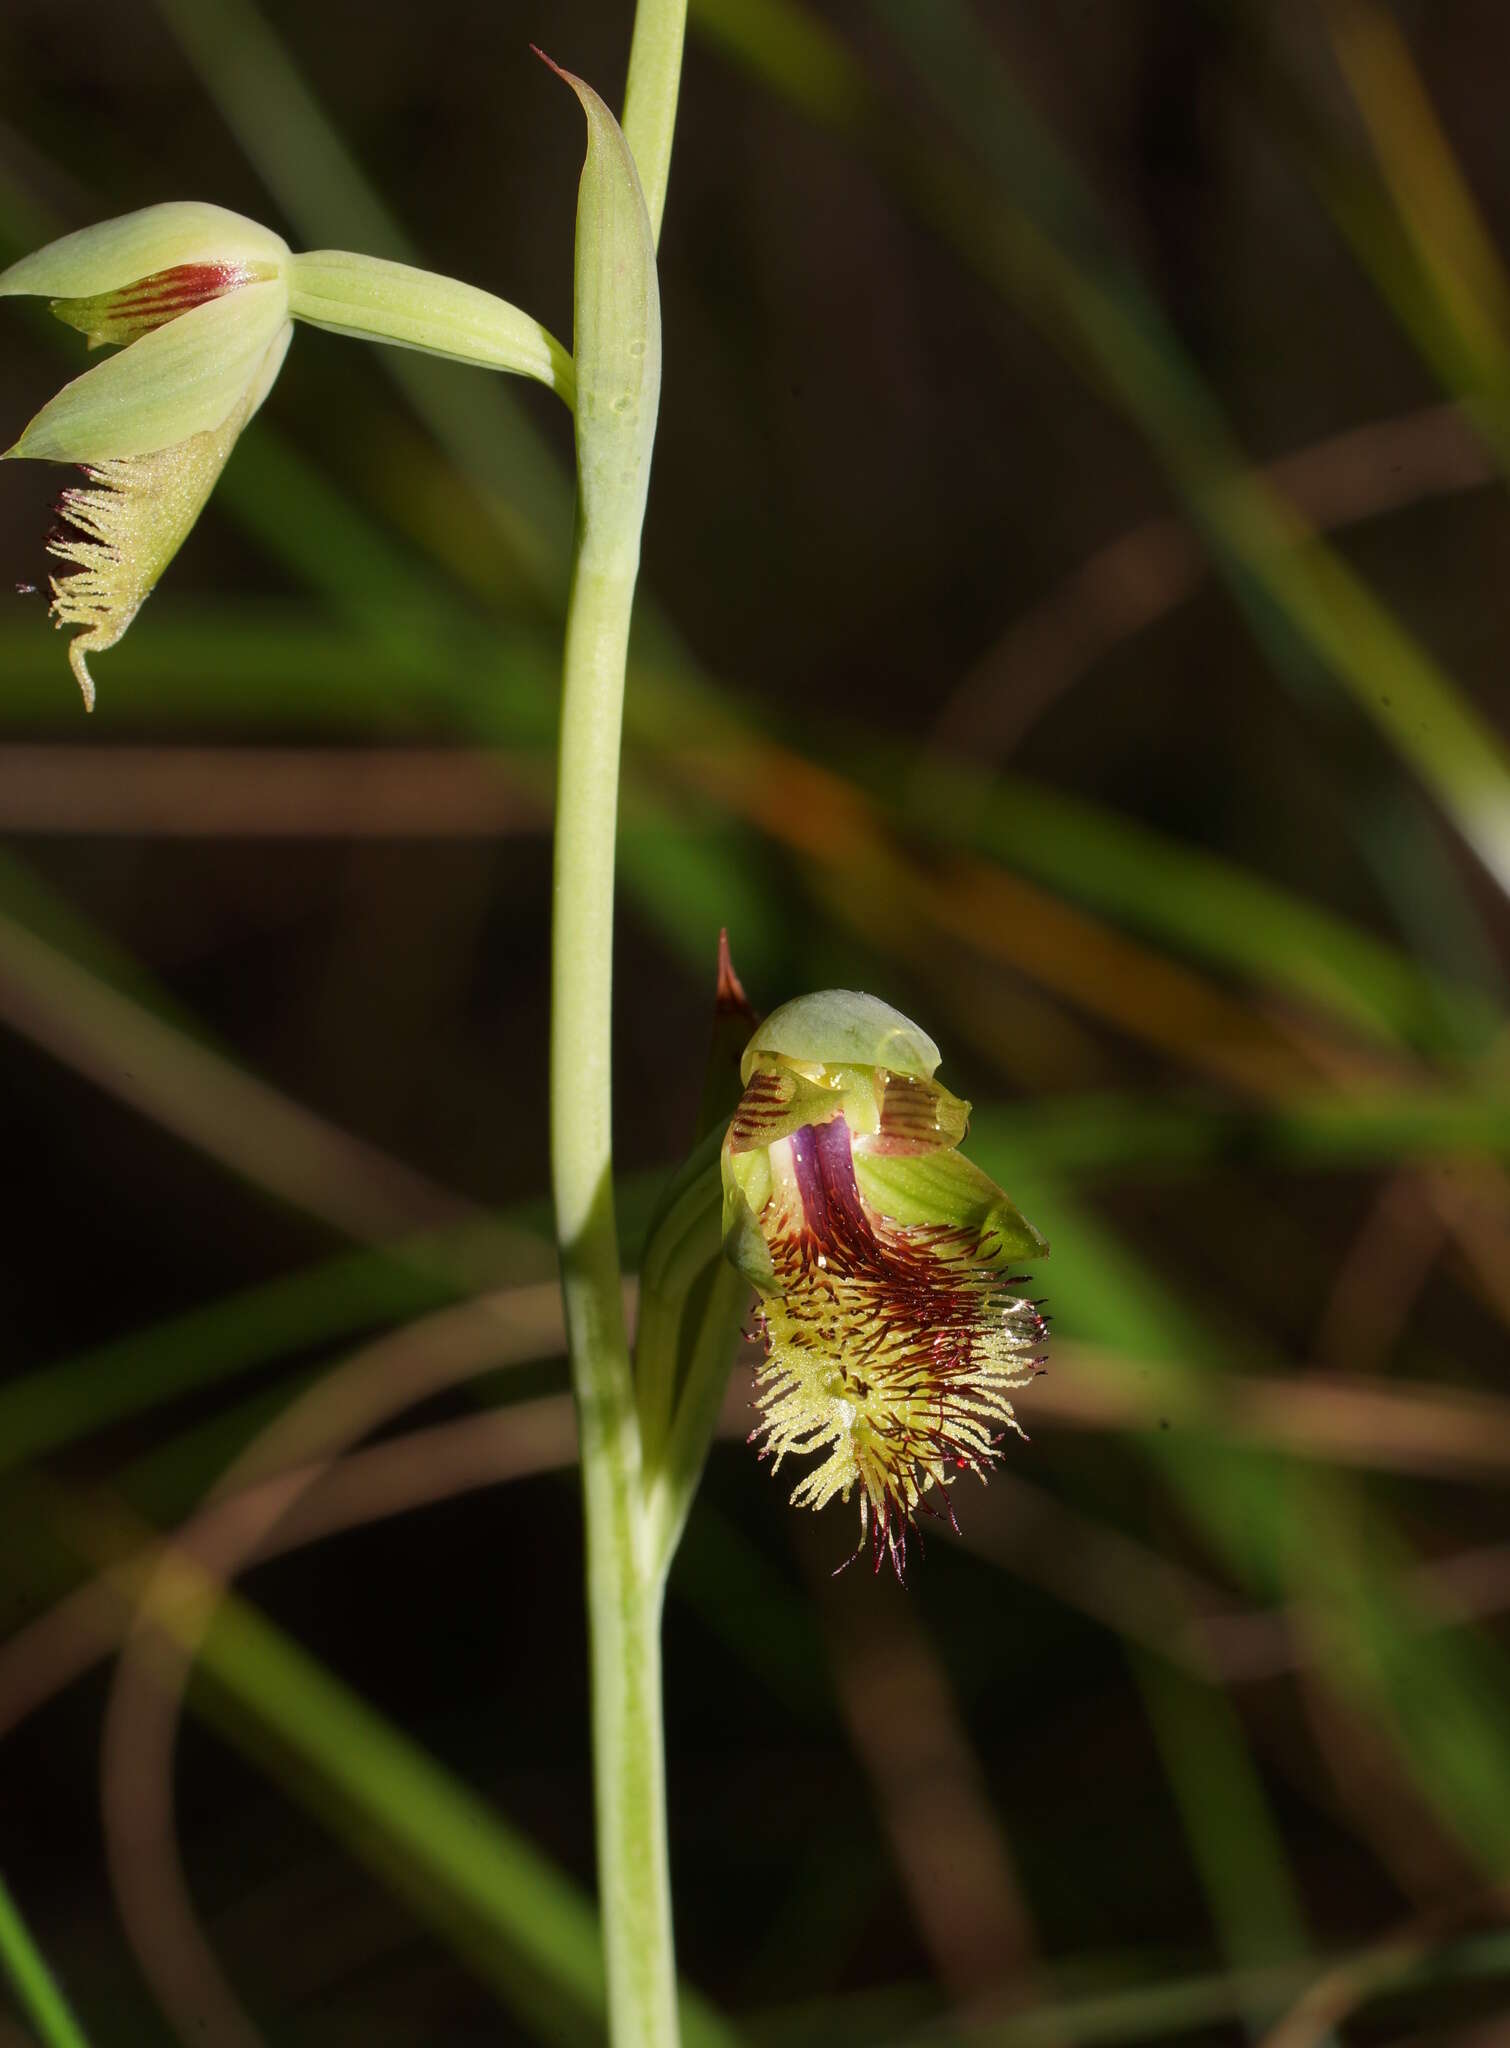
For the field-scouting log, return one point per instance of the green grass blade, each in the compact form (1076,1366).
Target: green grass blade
(485,1888)
(205,1098)
(1195,901)
(332,1301)
(1147,1138)
(1441,305)
(32,1981)
(487,1892)
(1413,225)
(1228,1822)
(490,1893)
(1167,2010)
(44,1411)
(1439,1693)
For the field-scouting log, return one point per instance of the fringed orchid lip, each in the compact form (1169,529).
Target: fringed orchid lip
(893,1322)
(889,1347)
(120,532)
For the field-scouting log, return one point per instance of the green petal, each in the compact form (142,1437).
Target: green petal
(130,522)
(946,1189)
(917,1116)
(747,1189)
(777,1103)
(391,302)
(117,251)
(183,379)
(839,1027)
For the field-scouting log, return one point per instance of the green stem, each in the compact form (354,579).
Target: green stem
(617,345)
(650,95)
(623,1593)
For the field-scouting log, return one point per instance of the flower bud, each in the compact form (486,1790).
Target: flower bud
(892,1322)
(197,299)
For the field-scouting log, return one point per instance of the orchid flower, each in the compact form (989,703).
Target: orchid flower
(199,299)
(893,1323)
(201,303)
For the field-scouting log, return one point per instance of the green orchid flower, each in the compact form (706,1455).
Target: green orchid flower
(197,299)
(200,304)
(885,1261)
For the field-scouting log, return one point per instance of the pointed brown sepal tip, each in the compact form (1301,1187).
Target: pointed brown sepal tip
(578,85)
(729,999)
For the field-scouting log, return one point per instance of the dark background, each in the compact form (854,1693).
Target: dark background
(953,681)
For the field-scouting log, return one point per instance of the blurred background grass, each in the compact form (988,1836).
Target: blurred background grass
(1074,611)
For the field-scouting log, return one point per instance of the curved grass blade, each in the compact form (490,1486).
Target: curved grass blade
(33,1983)
(485,1890)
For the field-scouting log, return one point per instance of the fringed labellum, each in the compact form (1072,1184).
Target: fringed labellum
(890,1305)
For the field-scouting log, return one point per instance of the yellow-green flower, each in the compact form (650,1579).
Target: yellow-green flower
(200,304)
(198,301)
(893,1321)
